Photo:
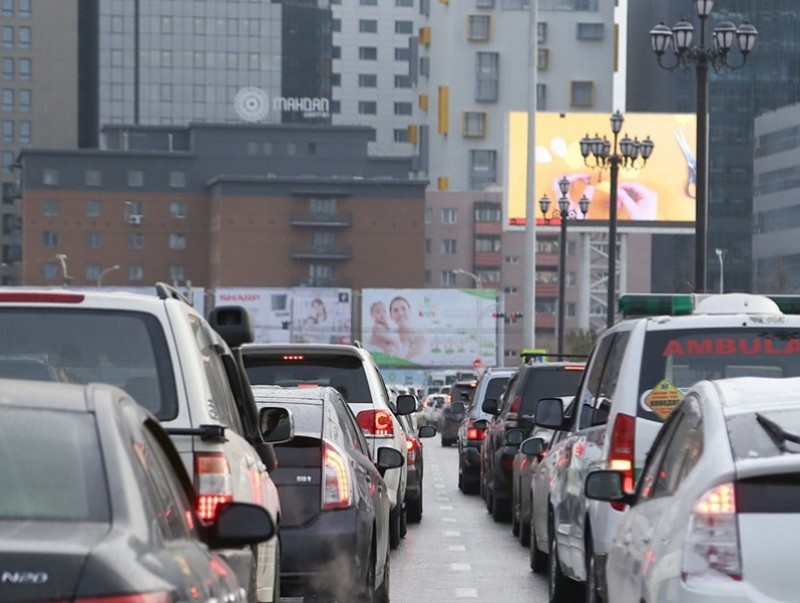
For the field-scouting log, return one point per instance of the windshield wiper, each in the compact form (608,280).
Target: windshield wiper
(777,434)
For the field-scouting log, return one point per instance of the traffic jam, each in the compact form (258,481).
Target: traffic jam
(153,455)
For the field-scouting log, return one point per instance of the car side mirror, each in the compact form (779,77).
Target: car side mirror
(550,413)
(491,407)
(532,447)
(234,324)
(607,486)
(514,437)
(406,404)
(239,524)
(458,408)
(481,424)
(426,431)
(388,458)
(276,424)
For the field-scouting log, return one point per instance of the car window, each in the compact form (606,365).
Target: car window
(592,381)
(550,382)
(609,379)
(350,431)
(682,453)
(494,391)
(649,477)
(52,466)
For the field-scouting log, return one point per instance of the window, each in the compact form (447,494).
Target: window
(322,206)
(402,54)
(482,168)
(8,130)
(135,272)
(336,52)
(368,26)
(488,212)
(336,79)
(8,8)
(336,107)
(479,27)
(401,134)
(94,240)
(177,241)
(177,210)
(590,31)
(487,76)
(428,215)
(135,240)
(93,178)
(51,271)
(541,97)
(177,179)
(8,99)
(404,27)
(541,32)
(428,246)
(165,92)
(8,37)
(542,58)
(485,3)
(323,240)
(50,238)
(601,380)
(8,68)
(199,26)
(254,61)
(403,108)
(336,25)
(177,273)
(135,178)
(402,81)
(516,4)
(449,246)
(49,176)
(24,37)
(484,244)
(199,59)
(409,3)
(24,131)
(367,80)
(166,58)
(92,272)
(368,53)
(51,208)
(425,66)
(24,9)
(448,278)
(24,101)
(581,94)
(449,215)
(367,107)
(569,310)
(368,2)
(474,124)
(166,24)
(93,208)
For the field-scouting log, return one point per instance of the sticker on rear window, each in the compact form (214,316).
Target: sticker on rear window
(663,399)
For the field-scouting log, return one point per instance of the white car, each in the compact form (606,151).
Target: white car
(433,408)
(716,513)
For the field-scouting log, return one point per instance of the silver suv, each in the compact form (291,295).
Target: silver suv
(171,361)
(352,371)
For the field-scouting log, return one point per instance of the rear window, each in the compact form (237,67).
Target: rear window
(549,383)
(675,360)
(750,440)
(494,390)
(51,467)
(126,349)
(345,373)
(307,417)
(457,392)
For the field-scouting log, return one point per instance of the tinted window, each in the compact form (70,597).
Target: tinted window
(769,494)
(548,383)
(126,349)
(750,440)
(494,390)
(345,373)
(51,466)
(679,358)
(307,416)
(462,392)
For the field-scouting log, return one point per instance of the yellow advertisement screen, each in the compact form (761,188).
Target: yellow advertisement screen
(663,190)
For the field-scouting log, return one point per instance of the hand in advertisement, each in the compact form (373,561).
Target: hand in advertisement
(640,201)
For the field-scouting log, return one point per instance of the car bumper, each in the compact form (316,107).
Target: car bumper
(323,555)
(709,590)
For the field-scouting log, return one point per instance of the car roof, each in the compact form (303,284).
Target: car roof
(744,395)
(308,348)
(44,395)
(293,394)
(44,297)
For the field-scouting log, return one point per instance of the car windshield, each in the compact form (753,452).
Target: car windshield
(494,391)
(126,349)
(51,466)
(674,360)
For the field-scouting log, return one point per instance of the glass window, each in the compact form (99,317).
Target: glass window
(474,125)
(8,130)
(7,33)
(8,8)
(448,246)
(8,161)
(487,76)
(49,176)
(25,131)
(177,241)
(404,27)
(482,168)
(135,272)
(24,37)
(367,107)
(582,94)
(401,134)
(368,53)
(135,240)
(367,80)
(94,178)
(93,271)
(402,54)
(94,240)
(177,273)
(8,68)
(93,208)
(541,32)
(177,179)
(368,2)
(24,101)
(135,178)
(541,97)
(24,8)
(51,271)
(428,215)
(542,58)
(447,277)
(449,216)
(50,238)
(8,99)
(404,3)
(336,25)
(479,27)
(368,26)
(590,31)
(403,108)
(402,81)
(177,210)
(25,69)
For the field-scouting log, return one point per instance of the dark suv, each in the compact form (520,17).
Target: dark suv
(515,411)
(453,413)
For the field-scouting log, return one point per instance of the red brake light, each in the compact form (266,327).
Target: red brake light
(376,422)
(159,597)
(620,457)
(574,367)
(293,357)
(412,445)
(41,297)
(476,434)
(213,482)
(336,479)
(515,404)
(508,462)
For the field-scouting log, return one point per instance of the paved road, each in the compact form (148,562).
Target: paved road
(458,552)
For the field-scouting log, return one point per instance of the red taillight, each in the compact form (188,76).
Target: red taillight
(620,456)
(336,479)
(412,445)
(293,357)
(515,404)
(376,422)
(476,434)
(41,297)
(213,482)
(159,597)
(712,540)
(508,462)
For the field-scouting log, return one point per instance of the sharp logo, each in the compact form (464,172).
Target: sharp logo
(23,578)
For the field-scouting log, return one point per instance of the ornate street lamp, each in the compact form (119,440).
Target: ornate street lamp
(679,39)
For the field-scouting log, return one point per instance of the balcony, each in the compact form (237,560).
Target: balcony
(488,228)
(322,252)
(487,259)
(323,281)
(310,219)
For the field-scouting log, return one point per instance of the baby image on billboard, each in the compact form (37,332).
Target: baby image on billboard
(429,327)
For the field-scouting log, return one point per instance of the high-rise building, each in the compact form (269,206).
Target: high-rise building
(375,53)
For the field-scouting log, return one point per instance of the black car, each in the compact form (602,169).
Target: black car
(97,506)
(515,411)
(472,429)
(415,465)
(334,502)
(452,414)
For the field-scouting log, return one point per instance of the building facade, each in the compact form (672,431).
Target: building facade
(216,205)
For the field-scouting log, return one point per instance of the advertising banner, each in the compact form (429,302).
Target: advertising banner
(662,191)
(430,327)
(304,315)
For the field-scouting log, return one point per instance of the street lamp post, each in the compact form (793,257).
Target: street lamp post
(612,155)
(106,271)
(679,38)
(564,213)
(475,277)
(721,256)
(62,259)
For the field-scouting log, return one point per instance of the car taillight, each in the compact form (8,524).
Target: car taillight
(41,297)
(157,597)
(515,404)
(336,479)
(508,462)
(412,445)
(712,538)
(475,434)
(376,422)
(620,456)
(213,482)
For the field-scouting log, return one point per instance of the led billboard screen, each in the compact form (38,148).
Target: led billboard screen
(660,192)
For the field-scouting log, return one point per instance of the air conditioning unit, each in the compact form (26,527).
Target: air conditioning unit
(135,219)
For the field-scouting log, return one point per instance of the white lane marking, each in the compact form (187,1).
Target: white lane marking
(467,593)
(452,533)
(457,548)
(438,485)
(446,507)
(449,519)
(460,567)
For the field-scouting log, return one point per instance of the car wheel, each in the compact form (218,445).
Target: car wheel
(537,559)
(559,586)
(382,594)
(471,488)
(394,527)
(524,532)
(592,586)
(403,522)
(514,522)
(460,480)
(501,510)
(414,510)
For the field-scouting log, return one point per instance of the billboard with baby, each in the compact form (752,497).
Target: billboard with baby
(430,327)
